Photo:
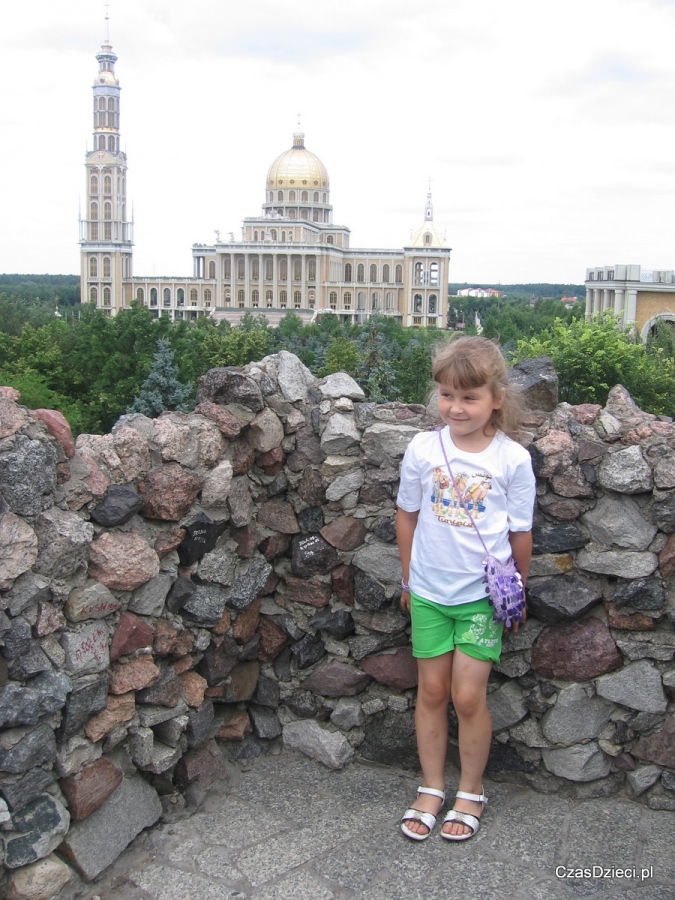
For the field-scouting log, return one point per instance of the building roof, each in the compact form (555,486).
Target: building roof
(298,168)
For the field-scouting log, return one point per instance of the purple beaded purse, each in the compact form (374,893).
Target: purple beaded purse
(504,583)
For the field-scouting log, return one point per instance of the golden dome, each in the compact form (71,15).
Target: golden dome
(298,168)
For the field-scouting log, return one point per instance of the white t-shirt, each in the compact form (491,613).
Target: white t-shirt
(497,485)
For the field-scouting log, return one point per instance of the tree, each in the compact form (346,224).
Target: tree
(413,373)
(375,372)
(161,390)
(341,356)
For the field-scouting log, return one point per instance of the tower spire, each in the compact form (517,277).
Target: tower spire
(106,36)
(429,209)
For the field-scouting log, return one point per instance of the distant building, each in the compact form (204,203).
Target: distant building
(290,257)
(639,297)
(478,292)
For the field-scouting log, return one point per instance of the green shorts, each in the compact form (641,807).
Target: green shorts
(438,629)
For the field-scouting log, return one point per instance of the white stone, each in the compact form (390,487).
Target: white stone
(348,714)
(344,404)
(626,472)
(92,601)
(328,747)
(381,561)
(86,649)
(265,431)
(643,778)
(293,376)
(217,486)
(140,746)
(5,814)
(628,564)
(76,753)
(339,384)
(345,484)
(340,434)
(41,880)
(637,686)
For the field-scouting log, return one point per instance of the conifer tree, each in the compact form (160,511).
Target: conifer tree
(162,390)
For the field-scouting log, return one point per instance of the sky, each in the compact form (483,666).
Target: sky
(547,128)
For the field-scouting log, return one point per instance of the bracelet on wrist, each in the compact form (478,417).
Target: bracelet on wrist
(405,587)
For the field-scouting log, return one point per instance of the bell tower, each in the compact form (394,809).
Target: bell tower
(106,234)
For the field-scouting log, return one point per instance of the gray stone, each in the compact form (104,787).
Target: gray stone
(646,644)
(24,705)
(30,663)
(63,543)
(338,625)
(149,716)
(181,591)
(199,724)
(637,686)
(582,762)
(562,598)
(506,706)
(556,538)
(340,434)
(267,692)
(529,733)
(28,590)
(88,697)
(368,593)
(339,384)
(364,645)
(345,484)
(41,826)
(308,650)
(120,503)
(626,472)
(348,714)
(390,739)
(537,382)
(23,748)
(265,722)
(74,754)
(86,649)
(206,605)
(141,741)
(21,792)
(575,717)
(328,747)
(643,778)
(622,563)
(251,577)
(170,732)
(95,843)
(617,520)
(17,639)
(380,561)
(303,704)
(663,512)
(27,471)
(385,444)
(311,555)
(645,593)
(149,598)
(293,376)
(91,601)
(217,484)
(229,386)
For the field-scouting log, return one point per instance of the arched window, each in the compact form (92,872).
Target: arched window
(193,297)
(93,294)
(311,270)
(273,234)
(360,273)
(291,215)
(101,142)
(255,269)
(140,296)
(107,232)
(283,269)
(255,235)
(107,185)
(427,239)
(153,296)
(361,300)
(297,270)
(167,297)
(280,196)
(101,102)
(304,197)
(399,275)
(433,274)
(106,267)
(111,104)
(324,197)
(373,272)
(106,296)
(240,268)
(417,303)
(93,231)
(347,300)
(348,272)
(93,211)
(304,214)
(329,239)
(207,297)
(241,299)
(269,298)
(432,304)
(291,196)
(269,269)
(212,270)
(180,297)
(316,197)
(93,267)
(227,267)
(385,273)
(375,300)
(391,302)
(228,298)
(315,215)
(93,184)
(255,298)
(297,298)
(419,273)
(107,211)
(332,300)
(111,144)
(283,299)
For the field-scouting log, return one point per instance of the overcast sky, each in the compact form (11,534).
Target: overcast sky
(547,127)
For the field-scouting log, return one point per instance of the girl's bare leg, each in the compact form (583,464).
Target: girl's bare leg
(431,727)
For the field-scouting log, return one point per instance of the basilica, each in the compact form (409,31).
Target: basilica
(292,256)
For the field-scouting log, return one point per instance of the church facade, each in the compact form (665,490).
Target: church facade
(291,257)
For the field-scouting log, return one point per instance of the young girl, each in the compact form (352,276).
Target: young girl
(454,635)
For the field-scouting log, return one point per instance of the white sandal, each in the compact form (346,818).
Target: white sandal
(472,822)
(417,815)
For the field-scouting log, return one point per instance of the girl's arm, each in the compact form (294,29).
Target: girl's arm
(406,522)
(521,550)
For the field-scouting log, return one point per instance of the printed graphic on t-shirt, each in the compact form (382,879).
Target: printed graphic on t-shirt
(449,503)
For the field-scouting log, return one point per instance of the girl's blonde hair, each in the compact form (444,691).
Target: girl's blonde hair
(471,362)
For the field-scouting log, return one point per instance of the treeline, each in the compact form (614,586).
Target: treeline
(53,290)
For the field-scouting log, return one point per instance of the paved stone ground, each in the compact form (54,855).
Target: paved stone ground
(290,828)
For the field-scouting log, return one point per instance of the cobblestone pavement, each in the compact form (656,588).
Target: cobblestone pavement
(289,828)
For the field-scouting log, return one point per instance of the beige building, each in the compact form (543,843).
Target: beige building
(639,297)
(290,257)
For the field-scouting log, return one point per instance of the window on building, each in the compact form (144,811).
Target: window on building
(93,267)
(291,196)
(207,297)
(348,272)
(269,299)
(140,296)
(324,197)
(297,299)
(427,239)
(283,270)
(419,273)
(106,267)
(212,270)
(240,268)
(193,297)
(417,321)
(93,184)
(311,270)
(101,142)
(255,235)
(304,214)
(417,303)
(93,211)
(93,231)
(106,296)
(297,269)
(107,185)
(315,215)
(347,300)
(361,300)
(373,272)
(180,297)
(107,211)
(255,298)
(433,302)
(178,314)
(332,299)
(398,278)
(101,102)
(280,196)
(153,296)
(241,299)
(360,273)
(391,300)
(255,269)
(375,300)
(610,274)
(330,239)
(385,273)
(283,299)
(315,197)
(111,144)
(227,267)
(269,269)
(433,274)
(304,197)
(228,298)
(262,235)
(166,297)
(107,231)
(273,234)
(312,301)
(591,276)
(291,215)
(93,294)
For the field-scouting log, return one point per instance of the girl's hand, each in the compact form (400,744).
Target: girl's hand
(405,600)
(516,625)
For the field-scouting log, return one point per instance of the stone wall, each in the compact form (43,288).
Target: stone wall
(185,592)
